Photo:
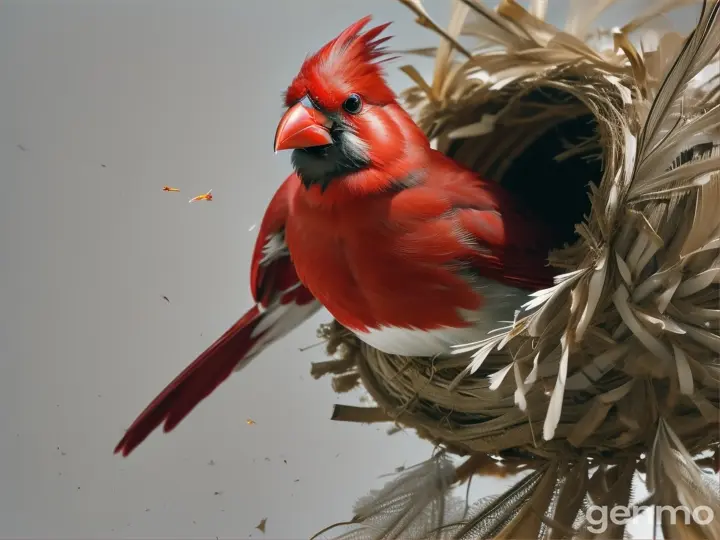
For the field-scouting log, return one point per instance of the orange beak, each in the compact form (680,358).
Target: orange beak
(301,127)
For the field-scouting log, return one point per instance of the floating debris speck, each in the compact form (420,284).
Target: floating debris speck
(204,197)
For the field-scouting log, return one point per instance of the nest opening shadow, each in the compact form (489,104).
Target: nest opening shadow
(545,148)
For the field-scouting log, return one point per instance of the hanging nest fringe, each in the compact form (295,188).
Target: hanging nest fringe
(612,372)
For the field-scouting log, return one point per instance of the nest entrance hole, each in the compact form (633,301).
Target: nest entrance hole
(545,148)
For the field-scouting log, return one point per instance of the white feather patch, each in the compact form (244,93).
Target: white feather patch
(278,320)
(500,303)
(357,149)
(416,342)
(274,248)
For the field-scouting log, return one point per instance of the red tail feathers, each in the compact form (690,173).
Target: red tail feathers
(197,381)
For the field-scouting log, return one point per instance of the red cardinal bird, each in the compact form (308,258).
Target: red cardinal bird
(404,247)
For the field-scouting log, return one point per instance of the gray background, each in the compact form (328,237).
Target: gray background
(101,104)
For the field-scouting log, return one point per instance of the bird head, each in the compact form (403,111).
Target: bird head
(341,116)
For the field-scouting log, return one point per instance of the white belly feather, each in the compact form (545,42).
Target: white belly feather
(501,303)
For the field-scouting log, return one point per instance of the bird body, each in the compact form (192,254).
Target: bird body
(403,246)
(415,269)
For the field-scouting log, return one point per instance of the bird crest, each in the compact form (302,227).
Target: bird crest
(351,62)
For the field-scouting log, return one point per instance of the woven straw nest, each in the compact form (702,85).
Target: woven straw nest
(614,371)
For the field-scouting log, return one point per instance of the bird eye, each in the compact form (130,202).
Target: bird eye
(353,104)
